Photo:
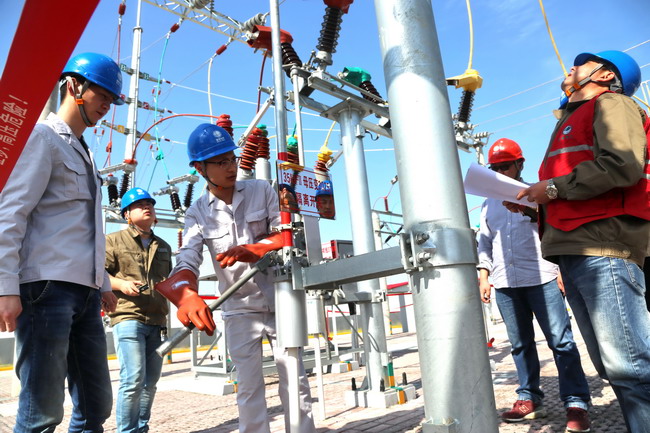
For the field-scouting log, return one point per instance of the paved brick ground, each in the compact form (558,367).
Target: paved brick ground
(184,404)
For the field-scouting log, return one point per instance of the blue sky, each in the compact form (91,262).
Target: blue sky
(512,52)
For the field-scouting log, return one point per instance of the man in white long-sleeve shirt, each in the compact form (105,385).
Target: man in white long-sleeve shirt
(526,285)
(52,277)
(234,219)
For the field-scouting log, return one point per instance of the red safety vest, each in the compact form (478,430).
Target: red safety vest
(573,144)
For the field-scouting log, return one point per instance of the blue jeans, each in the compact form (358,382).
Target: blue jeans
(545,301)
(60,334)
(607,298)
(140,367)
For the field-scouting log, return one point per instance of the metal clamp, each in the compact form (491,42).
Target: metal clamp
(429,245)
(445,425)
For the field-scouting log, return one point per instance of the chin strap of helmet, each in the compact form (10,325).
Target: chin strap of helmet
(616,86)
(568,92)
(518,164)
(138,229)
(205,176)
(79,100)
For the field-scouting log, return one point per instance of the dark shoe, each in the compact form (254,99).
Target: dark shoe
(577,420)
(524,409)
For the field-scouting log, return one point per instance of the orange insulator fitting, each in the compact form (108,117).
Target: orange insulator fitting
(261,37)
(293,158)
(323,157)
(225,122)
(344,5)
(250,150)
(221,49)
(321,166)
(263,143)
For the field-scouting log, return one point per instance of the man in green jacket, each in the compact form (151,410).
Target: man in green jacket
(136,260)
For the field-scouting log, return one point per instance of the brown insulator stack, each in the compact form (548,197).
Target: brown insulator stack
(249,154)
(370,88)
(292,150)
(225,122)
(293,157)
(263,148)
(320,166)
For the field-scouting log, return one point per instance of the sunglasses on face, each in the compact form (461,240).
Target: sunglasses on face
(225,163)
(501,167)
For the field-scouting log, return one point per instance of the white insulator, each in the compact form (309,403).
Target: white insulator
(198,4)
(257,20)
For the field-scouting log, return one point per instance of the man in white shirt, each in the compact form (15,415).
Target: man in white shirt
(527,285)
(52,277)
(235,220)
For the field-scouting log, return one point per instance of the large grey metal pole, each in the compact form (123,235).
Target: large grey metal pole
(363,242)
(132,113)
(456,377)
(278,81)
(291,316)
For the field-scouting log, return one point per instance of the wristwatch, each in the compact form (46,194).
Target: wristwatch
(551,189)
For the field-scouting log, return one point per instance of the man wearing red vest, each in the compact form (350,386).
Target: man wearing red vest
(594,193)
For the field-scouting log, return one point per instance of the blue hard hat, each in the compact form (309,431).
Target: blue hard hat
(98,69)
(133,195)
(324,188)
(208,140)
(627,69)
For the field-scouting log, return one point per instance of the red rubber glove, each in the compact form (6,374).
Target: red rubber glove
(182,290)
(250,253)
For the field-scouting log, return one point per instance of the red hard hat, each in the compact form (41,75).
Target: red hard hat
(504,150)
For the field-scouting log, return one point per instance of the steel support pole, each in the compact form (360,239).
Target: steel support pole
(263,169)
(456,377)
(363,241)
(132,113)
(293,300)
(383,286)
(278,82)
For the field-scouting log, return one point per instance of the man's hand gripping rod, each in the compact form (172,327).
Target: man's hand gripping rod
(261,265)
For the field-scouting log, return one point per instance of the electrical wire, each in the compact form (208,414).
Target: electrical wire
(550,34)
(554,80)
(637,45)
(385,197)
(471,35)
(259,88)
(159,154)
(210,86)
(327,138)
(109,147)
(156,123)
(523,123)
(530,107)
(212,94)
(641,101)
(148,47)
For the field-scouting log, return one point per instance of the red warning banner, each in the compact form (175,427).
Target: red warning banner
(32,69)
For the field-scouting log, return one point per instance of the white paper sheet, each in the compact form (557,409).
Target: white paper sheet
(484,182)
